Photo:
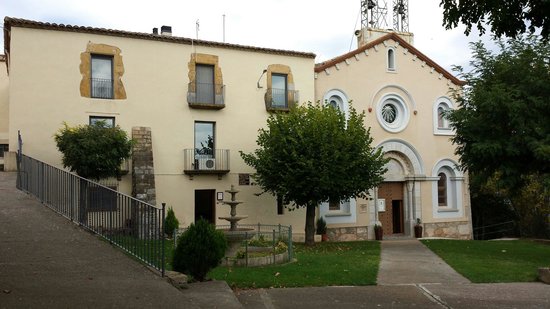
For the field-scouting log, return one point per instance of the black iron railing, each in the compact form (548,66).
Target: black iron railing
(206,162)
(134,226)
(208,94)
(101,88)
(498,230)
(280,99)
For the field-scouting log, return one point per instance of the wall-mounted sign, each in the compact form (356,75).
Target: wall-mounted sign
(220,196)
(381,204)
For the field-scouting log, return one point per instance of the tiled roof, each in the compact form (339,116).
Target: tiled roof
(18,22)
(391,36)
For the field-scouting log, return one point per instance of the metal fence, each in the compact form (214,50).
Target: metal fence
(132,225)
(493,231)
(251,236)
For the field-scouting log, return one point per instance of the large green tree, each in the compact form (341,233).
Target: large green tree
(503,123)
(509,18)
(93,151)
(312,155)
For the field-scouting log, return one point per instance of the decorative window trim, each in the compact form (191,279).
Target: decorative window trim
(341,97)
(447,104)
(219,88)
(391,63)
(400,111)
(346,214)
(454,183)
(86,64)
(292,94)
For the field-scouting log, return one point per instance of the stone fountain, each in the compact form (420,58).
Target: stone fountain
(234,234)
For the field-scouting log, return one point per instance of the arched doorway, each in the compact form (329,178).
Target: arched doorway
(398,197)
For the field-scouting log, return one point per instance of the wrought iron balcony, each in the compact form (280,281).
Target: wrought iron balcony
(101,88)
(206,161)
(280,99)
(206,95)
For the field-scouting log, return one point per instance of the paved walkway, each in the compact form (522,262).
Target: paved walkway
(48,262)
(410,262)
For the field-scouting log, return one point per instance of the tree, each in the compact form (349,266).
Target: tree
(312,155)
(93,151)
(502,123)
(511,18)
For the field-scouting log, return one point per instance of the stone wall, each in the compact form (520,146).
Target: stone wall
(348,233)
(143,176)
(457,230)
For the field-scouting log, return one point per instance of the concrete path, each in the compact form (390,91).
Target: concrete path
(458,296)
(48,262)
(410,262)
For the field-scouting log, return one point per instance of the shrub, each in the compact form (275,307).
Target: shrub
(321,226)
(200,248)
(93,151)
(170,223)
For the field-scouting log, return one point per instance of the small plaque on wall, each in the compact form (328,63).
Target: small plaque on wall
(381,205)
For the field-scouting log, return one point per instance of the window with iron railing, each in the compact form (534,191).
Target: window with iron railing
(101,81)
(206,95)
(280,99)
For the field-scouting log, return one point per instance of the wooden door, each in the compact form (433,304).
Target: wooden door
(392,193)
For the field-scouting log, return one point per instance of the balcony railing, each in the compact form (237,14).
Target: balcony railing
(280,99)
(101,88)
(206,95)
(198,162)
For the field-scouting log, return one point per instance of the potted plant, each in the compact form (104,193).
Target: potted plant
(378,231)
(418,228)
(322,229)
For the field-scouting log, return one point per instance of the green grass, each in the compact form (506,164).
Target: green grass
(493,261)
(329,263)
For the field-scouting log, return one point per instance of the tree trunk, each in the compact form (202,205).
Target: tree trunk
(310,224)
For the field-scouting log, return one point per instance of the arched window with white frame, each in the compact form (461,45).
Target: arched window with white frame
(337,99)
(391,59)
(447,189)
(441,124)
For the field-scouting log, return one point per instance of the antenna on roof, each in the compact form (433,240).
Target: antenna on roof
(197,28)
(223,28)
(401,15)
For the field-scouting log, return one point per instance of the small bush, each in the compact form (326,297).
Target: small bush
(321,226)
(259,242)
(200,248)
(170,223)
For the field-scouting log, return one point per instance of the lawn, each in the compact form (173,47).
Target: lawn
(328,263)
(493,261)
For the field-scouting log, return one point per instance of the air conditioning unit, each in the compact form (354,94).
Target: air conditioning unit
(207,164)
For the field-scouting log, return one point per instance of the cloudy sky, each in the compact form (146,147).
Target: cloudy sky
(320,26)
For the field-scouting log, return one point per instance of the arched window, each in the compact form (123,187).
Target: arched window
(447,197)
(391,60)
(442,190)
(441,124)
(337,99)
